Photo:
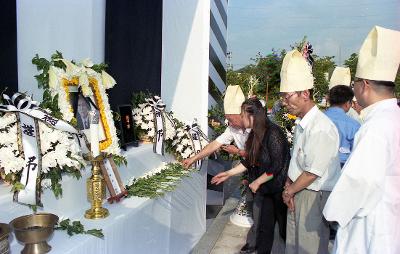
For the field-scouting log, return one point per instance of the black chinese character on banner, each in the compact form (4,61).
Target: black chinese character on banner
(31,165)
(195,136)
(50,120)
(158,113)
(160,134)
(28,130)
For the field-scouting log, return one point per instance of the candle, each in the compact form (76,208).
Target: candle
(94,133)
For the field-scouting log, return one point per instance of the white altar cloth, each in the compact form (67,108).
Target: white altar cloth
(173,223)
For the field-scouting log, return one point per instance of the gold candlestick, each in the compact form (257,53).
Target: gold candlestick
(96,191)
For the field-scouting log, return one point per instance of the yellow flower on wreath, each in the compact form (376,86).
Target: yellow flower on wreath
(291,117)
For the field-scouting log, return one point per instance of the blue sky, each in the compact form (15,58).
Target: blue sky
(335,28)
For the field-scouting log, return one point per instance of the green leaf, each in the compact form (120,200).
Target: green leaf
(95,232)
(119,160)
(57,189)
(33,207)
(158,184)
(77,228)
(99,67)
(17,187)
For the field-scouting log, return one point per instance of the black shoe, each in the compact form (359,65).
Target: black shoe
(247,250)
(332,234)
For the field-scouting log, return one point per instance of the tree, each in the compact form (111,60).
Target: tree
(351,62)
(321,68)
(267,70)
(240,78)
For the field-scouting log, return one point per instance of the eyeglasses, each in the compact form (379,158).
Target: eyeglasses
(354,82)
(286,96)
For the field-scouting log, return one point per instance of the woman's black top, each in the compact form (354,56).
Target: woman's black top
(274,158)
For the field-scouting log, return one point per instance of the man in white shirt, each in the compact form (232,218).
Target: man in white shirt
(233,100)
(314,167)
(366,199)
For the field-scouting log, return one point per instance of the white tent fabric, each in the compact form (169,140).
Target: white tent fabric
(171,224)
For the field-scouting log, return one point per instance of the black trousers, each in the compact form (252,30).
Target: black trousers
(267,210)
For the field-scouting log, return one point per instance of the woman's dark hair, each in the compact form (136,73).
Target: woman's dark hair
(253,107)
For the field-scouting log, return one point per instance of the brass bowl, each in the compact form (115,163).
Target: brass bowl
(4,243)
(34,230)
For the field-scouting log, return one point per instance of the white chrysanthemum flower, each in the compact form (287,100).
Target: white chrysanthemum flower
(46,184)
(136,111)
(179,148)
(53,80)
(144,126)
(49,161)
(180,133)
(137,118)
(151,133)
(87,62)
(142,105)
(9,162)
(187,153)
(175,141)
(71,68)
(10,138)
(7,119)
(170,130)
(108,81)
(147,111)
(149,117)
(84,82)
(186,142)
(131,181)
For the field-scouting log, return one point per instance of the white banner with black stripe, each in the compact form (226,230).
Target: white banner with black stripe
(196,134)
(31,171)
(158,108)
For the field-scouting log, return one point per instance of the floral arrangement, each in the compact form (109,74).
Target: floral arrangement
(182,144)
(59,151)
(287,122)
(157,182)
(177,138)
(143,116)
(59,75)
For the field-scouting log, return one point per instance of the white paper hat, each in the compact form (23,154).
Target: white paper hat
(233,100)
(379,55)
(340,76)
(295,73)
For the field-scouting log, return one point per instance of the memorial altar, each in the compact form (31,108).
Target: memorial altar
(173,223)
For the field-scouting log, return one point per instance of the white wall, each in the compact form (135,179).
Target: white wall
(73,27)
(185,52)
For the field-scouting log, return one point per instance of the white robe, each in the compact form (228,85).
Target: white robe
(366,199)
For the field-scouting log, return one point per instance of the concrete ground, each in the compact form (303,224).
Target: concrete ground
(234,237)
(223,237)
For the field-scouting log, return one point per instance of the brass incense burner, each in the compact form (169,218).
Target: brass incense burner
(34,230)
(96,191)
(4,243)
